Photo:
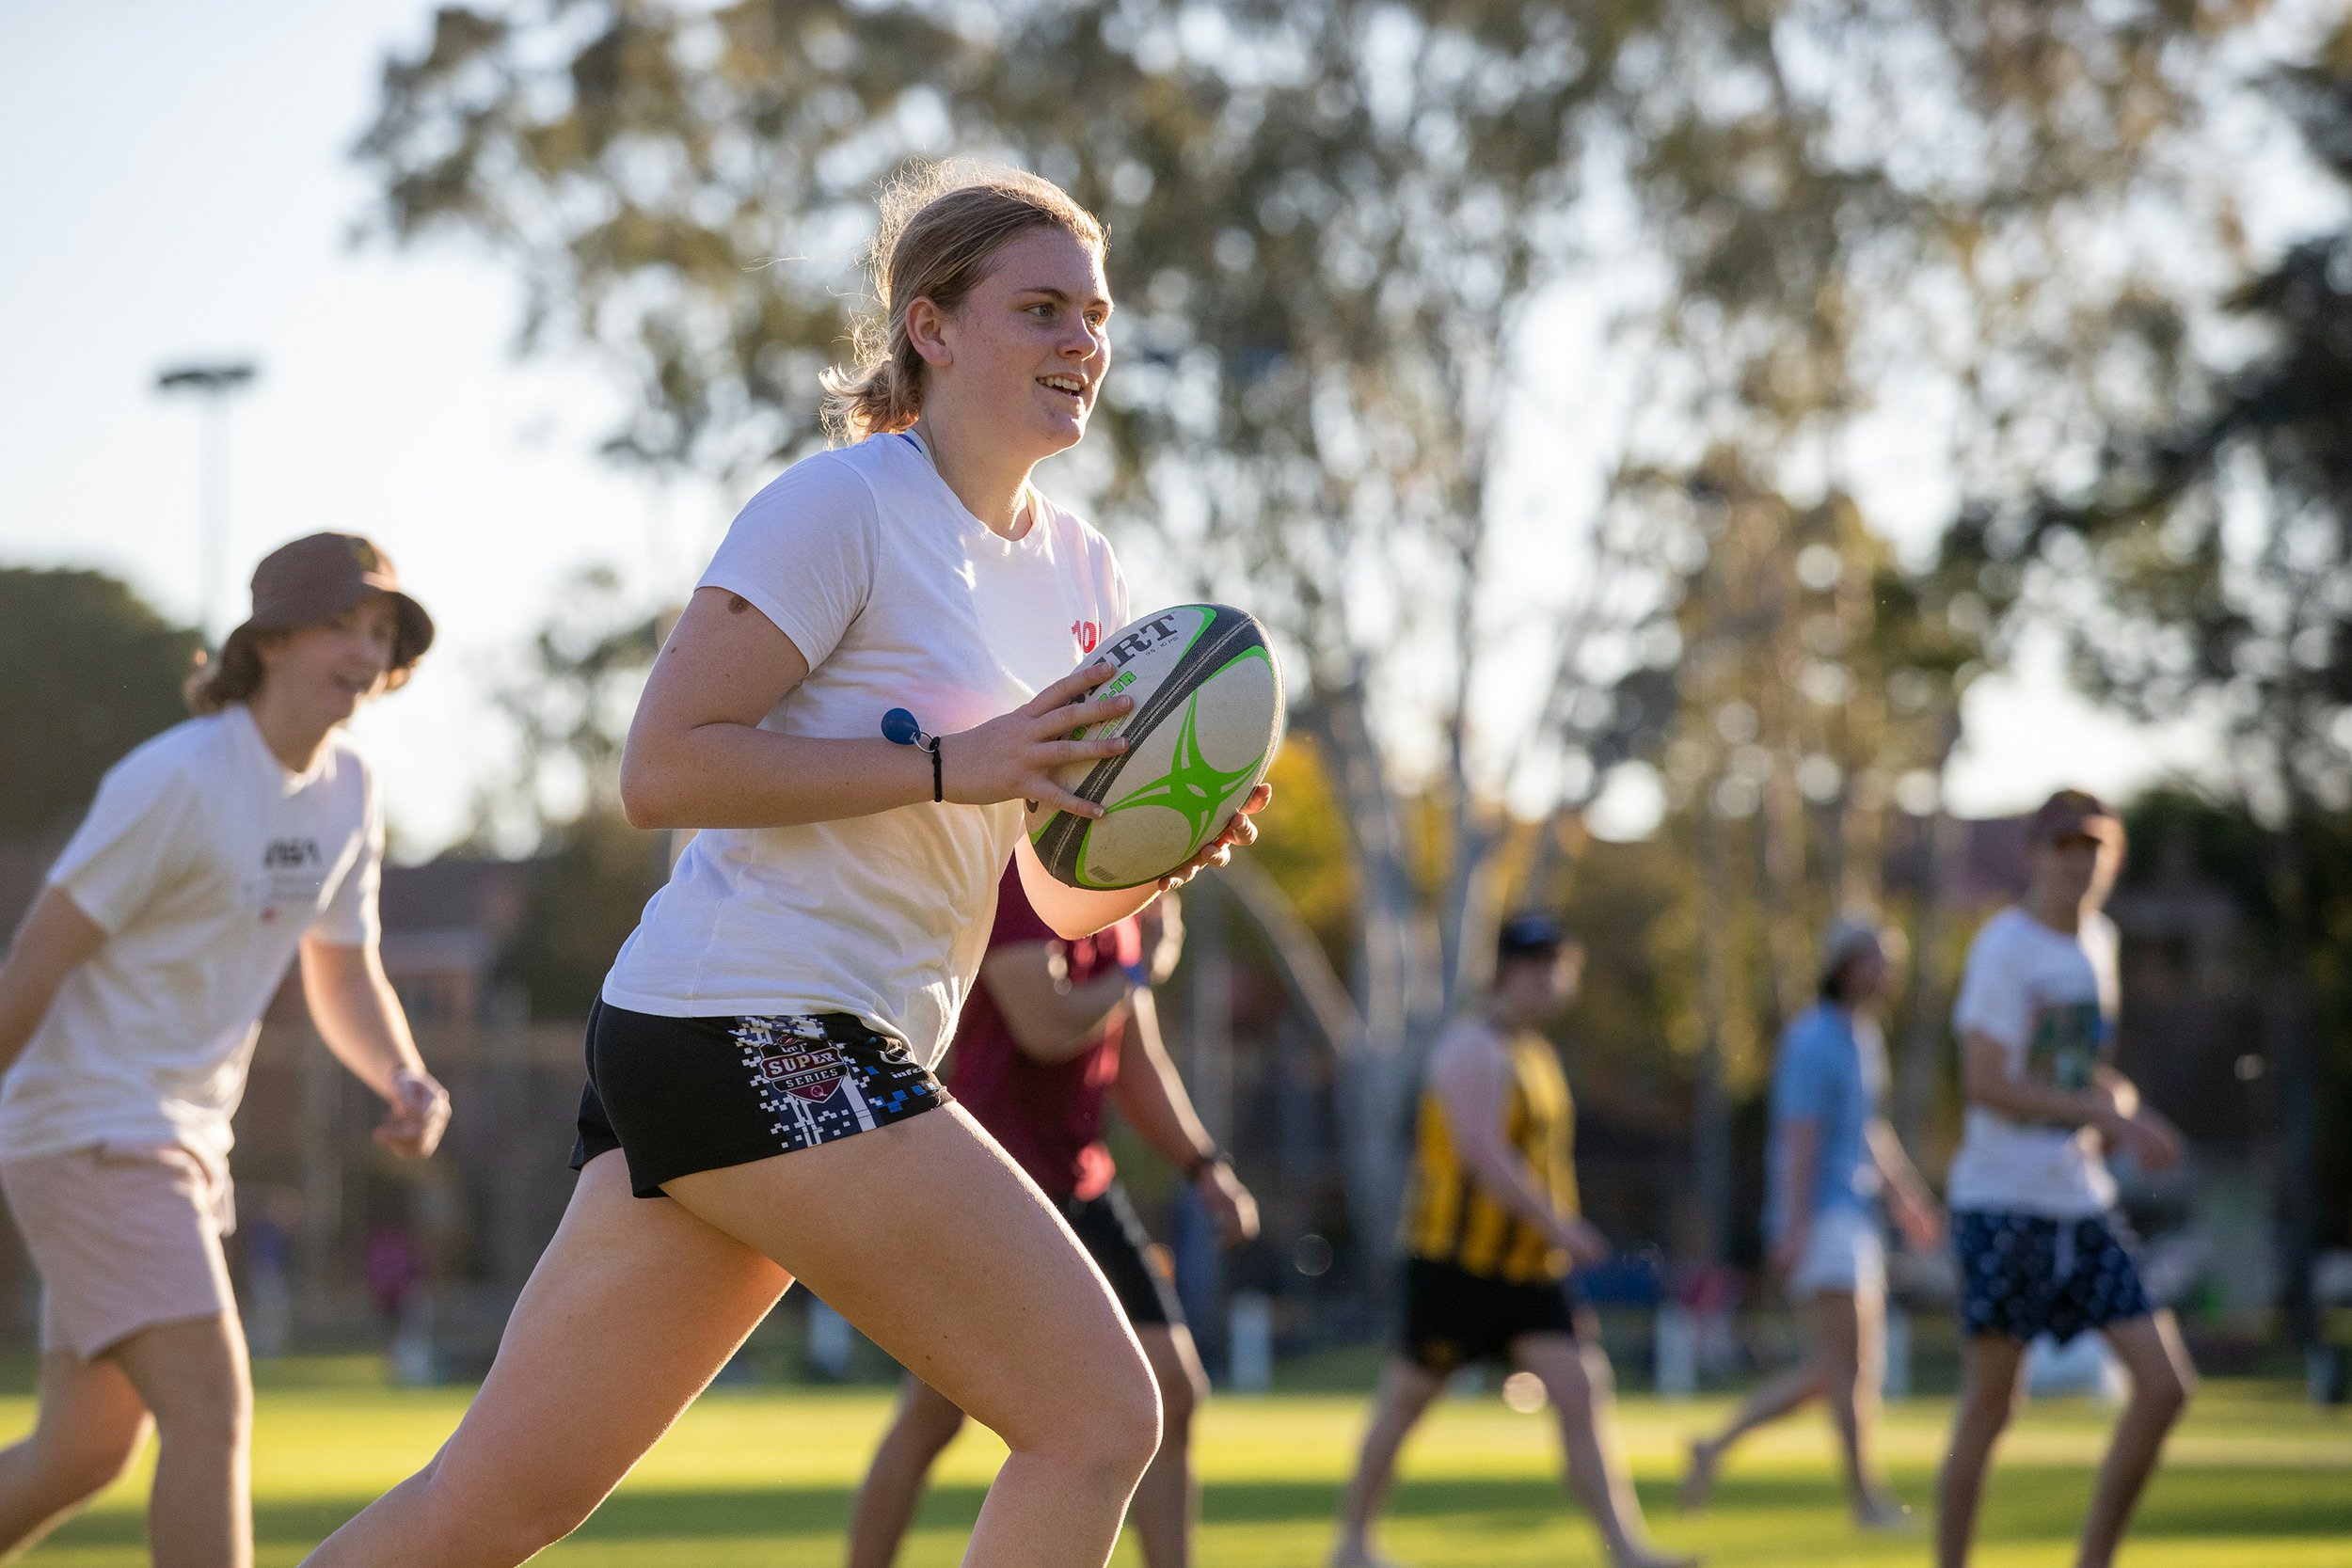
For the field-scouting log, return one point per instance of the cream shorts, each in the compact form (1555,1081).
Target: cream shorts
(124,1238)
(1843,1252)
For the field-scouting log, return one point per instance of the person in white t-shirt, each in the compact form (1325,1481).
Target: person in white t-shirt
(215,853)
(760,1105)
(2030,1191)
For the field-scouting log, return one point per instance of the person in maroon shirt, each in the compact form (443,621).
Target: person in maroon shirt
(1052,1030)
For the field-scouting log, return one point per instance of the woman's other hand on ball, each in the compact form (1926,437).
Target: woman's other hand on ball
(1240,833)
(1016,756)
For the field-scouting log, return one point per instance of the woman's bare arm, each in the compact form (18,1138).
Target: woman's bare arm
(696,756)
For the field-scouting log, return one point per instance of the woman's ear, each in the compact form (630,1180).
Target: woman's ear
(927,330)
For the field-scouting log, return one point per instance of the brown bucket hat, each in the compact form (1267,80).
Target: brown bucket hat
(320,576)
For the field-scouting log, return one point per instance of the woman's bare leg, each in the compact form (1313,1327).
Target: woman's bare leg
(1405,1392)
(923,1424)
(1792,1391)
(87,1429)
(1165,1500)
(632,1309)
(925,1235)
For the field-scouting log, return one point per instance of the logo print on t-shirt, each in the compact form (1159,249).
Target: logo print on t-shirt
(294,870)
(2068,1041)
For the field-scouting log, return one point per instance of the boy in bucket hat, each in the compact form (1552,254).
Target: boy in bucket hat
(130,1000)
(2030,1195)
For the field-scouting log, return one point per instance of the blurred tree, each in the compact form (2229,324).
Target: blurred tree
(569,702)
(2206,566)
(1334,220)
(1816,692)
(92,671)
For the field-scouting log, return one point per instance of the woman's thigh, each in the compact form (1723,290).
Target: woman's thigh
(633,1308)
(926,1235)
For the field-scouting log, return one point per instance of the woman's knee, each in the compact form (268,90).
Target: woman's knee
(459,1520)
(1111,1428)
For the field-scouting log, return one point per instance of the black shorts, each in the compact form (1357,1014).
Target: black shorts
(1454,1317)
(680,1095)
(1123,1250)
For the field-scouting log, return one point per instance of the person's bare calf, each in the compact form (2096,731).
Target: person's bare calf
(1404,1395)
(922,1426)
(2163,1381)
(89,1425)
(1166,1502)
(1581,1389)
(1991,1381)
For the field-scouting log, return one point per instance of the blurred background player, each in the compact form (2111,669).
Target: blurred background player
(129,1006)
(1491,1224)
(2040,1251)
(1053,1029)
(1832,1153)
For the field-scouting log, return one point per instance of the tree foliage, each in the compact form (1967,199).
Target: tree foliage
(2208,558)
(92,671)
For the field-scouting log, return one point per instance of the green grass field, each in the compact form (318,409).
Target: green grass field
(2255,1480)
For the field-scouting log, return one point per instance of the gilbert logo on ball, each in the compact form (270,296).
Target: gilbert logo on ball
(1207,719)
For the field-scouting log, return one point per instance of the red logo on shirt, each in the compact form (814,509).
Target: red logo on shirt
(1088,633)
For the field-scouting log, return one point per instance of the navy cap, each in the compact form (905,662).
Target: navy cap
(1528,935)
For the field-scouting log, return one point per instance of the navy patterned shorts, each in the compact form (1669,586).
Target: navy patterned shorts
(2022,1275)
(681,1095)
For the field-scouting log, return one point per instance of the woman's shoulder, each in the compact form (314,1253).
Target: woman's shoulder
(834,478)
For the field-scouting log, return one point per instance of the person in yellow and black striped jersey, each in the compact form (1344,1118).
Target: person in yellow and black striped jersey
(1491,1226)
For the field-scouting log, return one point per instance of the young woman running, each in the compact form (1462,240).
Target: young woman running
(129,1005)
(760,1106)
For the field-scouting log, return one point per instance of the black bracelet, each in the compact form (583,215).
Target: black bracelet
(939,790)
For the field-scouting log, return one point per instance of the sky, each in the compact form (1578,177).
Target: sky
(180,182)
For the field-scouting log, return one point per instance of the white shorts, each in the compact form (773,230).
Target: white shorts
(124,1239)
(1843,1252)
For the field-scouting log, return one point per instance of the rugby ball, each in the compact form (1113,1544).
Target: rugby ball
(1207,719)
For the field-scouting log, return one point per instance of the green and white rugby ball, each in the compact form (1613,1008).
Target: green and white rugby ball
(1207,719)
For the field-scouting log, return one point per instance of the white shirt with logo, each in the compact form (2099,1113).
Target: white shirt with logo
(206,863)
(2050,999)
(898,596)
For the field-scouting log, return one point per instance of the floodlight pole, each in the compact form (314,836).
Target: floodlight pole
(216,382)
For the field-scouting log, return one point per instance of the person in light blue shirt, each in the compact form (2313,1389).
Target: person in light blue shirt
(1832,1156)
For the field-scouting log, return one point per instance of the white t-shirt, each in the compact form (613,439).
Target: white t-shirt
(898,597)
(2050,1000)
(206,863)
